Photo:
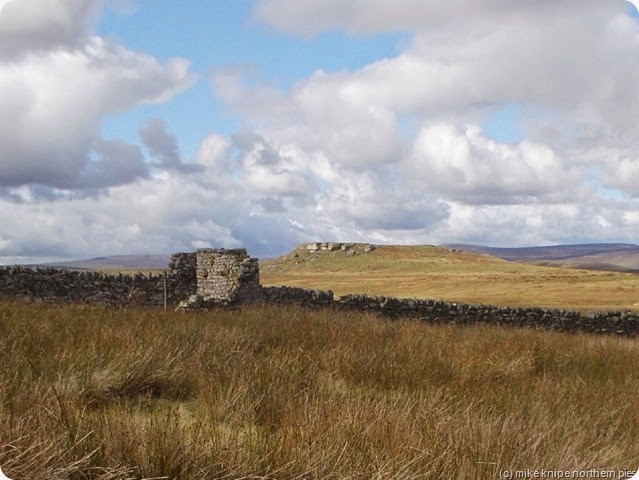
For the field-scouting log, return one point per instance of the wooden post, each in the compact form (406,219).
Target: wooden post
(165,295)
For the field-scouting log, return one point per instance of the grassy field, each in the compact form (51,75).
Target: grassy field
(434,272)
(92,393)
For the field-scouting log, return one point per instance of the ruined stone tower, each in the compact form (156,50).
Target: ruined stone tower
(224,277)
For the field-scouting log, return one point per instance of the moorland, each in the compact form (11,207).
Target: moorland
(281,392)
(268,392)
(453,275)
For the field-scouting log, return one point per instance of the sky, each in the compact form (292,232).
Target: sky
(157,126)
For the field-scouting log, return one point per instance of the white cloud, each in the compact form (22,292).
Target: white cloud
(575,57)
(573,62)
(214,154)
(54,97)
(525,225)
(267,171)
(175,211)
(468,167)
(390,152)
(342,120)
(208,234)
(160,214)
(164,147)
(117,163)
(323,113)
(361,202)
(371,16)
(40,25)
(620,172)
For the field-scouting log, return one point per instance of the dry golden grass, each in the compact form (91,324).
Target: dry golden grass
(433,272)
(91,393)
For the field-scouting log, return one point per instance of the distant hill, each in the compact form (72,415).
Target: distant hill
(619,257)
(597,256)
(115,262)
(449,273)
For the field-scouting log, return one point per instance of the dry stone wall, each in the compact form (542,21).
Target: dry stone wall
(182,278)
(441,312)
(212,278)
(62,286)
(68,286)
(298,296)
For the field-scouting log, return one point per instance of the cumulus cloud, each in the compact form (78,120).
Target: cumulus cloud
(393,151)
(324,112)
(53,99)
(338,140)
(39,25)
(524,225)
(619,171)
(173,211)
(569,55)
(468,167)
(165,212)
(268,171)
(115,163)
(370,16)
(163,147)
(572,61)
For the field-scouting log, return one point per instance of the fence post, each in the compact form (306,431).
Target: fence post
(165,295)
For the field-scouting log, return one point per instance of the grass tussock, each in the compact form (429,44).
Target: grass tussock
(90,393)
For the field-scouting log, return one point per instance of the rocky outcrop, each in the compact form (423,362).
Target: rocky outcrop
(333,247)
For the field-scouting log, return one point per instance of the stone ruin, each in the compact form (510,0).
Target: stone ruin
(224,277)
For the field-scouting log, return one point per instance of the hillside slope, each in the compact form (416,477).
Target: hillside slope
(115,262)
(602,256)
(449,274)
